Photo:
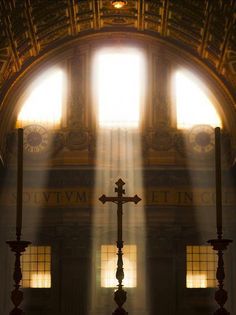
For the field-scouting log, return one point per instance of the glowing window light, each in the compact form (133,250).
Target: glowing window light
(36,267)
(193,106)
(44,103)
(201,267)
(197,281)
(109,266)
(40,280)
(119,88)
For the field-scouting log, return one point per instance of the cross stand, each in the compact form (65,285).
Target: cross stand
(18,246)
(219,244)
(120,294)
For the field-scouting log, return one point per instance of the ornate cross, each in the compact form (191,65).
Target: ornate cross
(120,294)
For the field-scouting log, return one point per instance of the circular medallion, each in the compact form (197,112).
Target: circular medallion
(162,140)
(77,140)
(201,139)
(36,139)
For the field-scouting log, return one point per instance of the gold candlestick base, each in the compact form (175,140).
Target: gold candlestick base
(18,247)
(221,295)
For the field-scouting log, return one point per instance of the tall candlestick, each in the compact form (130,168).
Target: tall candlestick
(220,244)
(19,183)
(218,181)
(18,246)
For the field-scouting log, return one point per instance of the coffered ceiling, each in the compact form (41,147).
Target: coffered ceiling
(206,28)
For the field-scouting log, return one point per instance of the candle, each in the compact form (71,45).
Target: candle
(19,183)
(218,181)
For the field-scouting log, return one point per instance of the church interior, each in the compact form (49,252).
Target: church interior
(117,157)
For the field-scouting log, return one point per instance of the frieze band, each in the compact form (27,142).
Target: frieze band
(83,196)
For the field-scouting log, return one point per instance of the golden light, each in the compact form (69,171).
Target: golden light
(44,103)
(118,4)
(119,88)
(201,267)
(118,94)
(196,281)
(36,267)
(40,280)
(192,104)
(109,265)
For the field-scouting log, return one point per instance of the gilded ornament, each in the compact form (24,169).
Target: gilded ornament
(162,140)
(77,140)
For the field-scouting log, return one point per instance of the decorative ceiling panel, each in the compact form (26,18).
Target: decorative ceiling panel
(111,17)
(207,28)
(185,23)
(50,21)
(153,15)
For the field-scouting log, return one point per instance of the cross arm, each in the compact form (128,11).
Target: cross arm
(134,199)
(104,199)
(121,199)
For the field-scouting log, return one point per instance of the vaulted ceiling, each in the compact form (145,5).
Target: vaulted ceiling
(206,28)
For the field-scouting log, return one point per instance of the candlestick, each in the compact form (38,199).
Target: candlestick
(220,244)
(19,184)
(18,246)
(218,181)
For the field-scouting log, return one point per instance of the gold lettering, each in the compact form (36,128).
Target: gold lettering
(37,198)
(205,197)
(58,196)
(179,197)
(26,197)
(46,196)
(81,197)
(69,194)
(188,197)
(165,194)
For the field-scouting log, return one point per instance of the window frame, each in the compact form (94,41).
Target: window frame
(30,262)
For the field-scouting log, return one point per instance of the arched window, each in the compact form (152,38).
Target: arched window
(119,87)
(193,106)
(44,102)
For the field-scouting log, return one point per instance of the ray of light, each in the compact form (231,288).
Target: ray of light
(119,156)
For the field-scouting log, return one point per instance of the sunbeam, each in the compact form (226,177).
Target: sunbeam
(119,156)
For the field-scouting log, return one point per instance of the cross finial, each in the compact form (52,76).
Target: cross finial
(119,188)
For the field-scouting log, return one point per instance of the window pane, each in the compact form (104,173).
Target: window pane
(44,103)
(193,107)
(109,265)
(119,88)
(36,267)
(201,268)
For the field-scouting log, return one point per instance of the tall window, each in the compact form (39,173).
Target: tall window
(44,103)
(119,85)
(109,265)
(192,104)
(201,267)
(36,267)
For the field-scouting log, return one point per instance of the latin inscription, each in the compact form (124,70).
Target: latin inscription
(84,197)
(189,198)
(48,198)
